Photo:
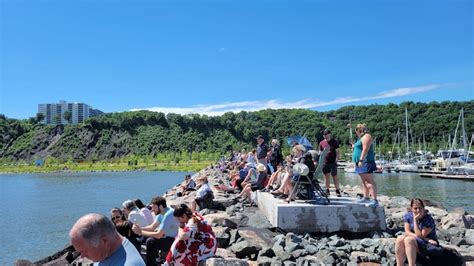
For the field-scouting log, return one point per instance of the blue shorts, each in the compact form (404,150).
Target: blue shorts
(366,168)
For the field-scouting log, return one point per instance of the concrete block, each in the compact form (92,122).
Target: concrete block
(342,214)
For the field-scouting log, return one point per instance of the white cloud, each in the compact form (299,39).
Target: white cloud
(219,109)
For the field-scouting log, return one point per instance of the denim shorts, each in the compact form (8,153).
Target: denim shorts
(366,168)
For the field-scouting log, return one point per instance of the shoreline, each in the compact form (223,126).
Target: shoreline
(86,168)
(239,229)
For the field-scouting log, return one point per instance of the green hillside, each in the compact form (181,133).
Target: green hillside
(148,134)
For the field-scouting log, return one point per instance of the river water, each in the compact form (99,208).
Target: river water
(37,210)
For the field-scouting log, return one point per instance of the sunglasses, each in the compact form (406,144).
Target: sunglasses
(116,218)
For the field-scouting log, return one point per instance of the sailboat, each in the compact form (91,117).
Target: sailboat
(406,166)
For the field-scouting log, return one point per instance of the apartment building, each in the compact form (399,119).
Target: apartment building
(54,112)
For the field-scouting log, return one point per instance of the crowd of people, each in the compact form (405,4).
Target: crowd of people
(181,236)
(175,236)
(266,169)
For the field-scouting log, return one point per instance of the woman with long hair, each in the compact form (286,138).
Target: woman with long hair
(420,234)
(195,241)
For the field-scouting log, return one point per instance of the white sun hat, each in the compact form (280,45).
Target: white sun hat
(301,169)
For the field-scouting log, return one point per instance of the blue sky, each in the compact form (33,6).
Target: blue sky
(217,56)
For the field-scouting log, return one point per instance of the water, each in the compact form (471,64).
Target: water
(450,193)
(37,210)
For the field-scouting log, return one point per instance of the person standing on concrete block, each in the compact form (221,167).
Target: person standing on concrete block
(364,160)
(330,163)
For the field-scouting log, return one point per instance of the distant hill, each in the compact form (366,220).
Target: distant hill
(147,133)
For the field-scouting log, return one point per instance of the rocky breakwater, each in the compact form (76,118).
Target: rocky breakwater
(246,237)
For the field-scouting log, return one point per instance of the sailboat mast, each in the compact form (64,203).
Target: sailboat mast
(406,131)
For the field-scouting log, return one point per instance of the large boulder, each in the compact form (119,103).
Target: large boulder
(224,253)
(244,249)
(220,219)
(222,236)
(453,220)
(469,236)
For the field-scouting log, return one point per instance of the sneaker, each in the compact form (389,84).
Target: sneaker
(338,193)
(373,203)
(364,200)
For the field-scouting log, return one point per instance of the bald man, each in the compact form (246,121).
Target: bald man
(94,237)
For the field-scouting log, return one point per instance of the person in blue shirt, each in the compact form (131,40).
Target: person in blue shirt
(420,234)
(161,233)
(363,157)
(94,237)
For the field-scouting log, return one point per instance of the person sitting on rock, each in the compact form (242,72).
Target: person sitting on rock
(195,241)
(161,233)
(124,227)
(204,195)
(144,209)
(254,186)
(420,234)
(133,214)
(251,176)
(240,176)
(186,186)
(94,236)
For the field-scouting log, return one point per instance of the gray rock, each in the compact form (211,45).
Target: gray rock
(244,249)
(457,241)
(290,247)
(358,256)
(311,249)
(224,253)
(266,252)
(453,220)
(222,236)
(234,236)
(280,240)
(336,243)
(298,253)
(264,261)
(331,258)
(371,249)
(205,212)
(292,238)
(469,236)
(280,252)
(222,262)
(308,261)
(346,248)
(289,263)
(469,221)
(367,242)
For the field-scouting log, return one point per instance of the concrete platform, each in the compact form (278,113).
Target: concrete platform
(342,214)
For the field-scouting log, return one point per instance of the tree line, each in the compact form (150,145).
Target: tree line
(148,134)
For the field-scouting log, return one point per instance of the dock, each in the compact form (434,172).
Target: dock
(447,176)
